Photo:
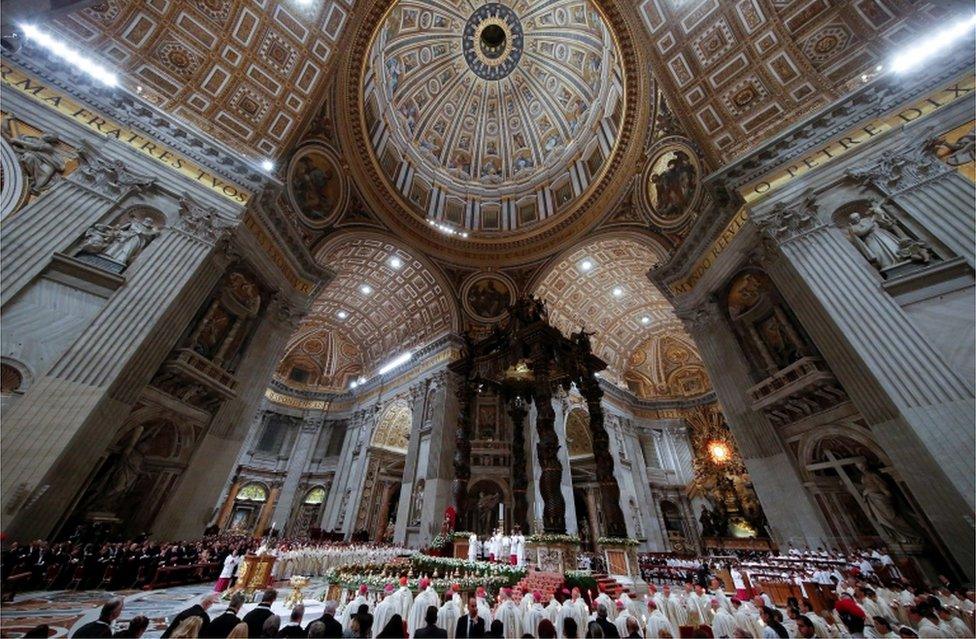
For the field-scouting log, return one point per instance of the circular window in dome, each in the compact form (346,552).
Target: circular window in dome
(492,41)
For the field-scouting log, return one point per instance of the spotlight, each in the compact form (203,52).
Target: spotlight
(267,165)
(72,56)
(342,315)
(586,265)
(645,320)
(618,292)
(396,262)
(366,289)
(914,56)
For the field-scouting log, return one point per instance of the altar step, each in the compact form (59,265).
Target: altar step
(609,585)
(545,582)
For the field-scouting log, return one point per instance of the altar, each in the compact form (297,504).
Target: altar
(254,573)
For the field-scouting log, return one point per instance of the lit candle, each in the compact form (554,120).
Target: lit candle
(501,514)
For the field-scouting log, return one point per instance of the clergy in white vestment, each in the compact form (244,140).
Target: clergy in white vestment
(576,609)
(448,615)
(525,601)
(518,547)
(677,612)
(718,592)
(404,599)
(425,598)
(504,556)
(657,622)
(473,547)
(509,614)
(353,606)
(535,614)
(633,606)
(623,614)
(722,623)
(746,619)
(603,599)
(551,611)
(697,604)
(495,546)
(385,609)
(484,610)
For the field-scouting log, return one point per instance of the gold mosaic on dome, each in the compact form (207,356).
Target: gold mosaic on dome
(393,428)
(671,184)
(492,154)
(667,365)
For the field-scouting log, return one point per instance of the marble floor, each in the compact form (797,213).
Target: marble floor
(65,610)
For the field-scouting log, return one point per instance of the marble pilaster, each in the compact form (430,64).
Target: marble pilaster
(297,464)
(54,435)
(919,410)
(418,400)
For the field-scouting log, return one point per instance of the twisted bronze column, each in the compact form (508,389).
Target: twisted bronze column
(613,516)
(550,479)
(520,507)
(462,448)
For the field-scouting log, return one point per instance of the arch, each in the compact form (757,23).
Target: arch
(406,307)
(315,495)
(393,428)
(812,442)
(253,491)
(16,376)
(578,297)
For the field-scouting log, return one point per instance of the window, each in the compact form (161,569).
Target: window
(273,437)
(336,437)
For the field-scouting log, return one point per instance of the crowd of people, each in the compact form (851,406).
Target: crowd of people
(859,605)
(110,564)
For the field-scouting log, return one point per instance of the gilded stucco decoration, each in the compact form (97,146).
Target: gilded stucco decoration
(494,119)
(602,285)
(737,72)
(381,304)
(393,429)
(245,71)
(667,365)
(321,360)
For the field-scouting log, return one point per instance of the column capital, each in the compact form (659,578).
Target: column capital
(785,222)
(701,316)
(906,166)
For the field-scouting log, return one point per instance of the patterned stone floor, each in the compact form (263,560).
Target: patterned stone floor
(64,610)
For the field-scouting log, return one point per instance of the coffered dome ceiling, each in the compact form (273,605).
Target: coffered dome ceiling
(490,119)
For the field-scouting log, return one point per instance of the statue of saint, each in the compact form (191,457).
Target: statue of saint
(880,504)
(122,242)
(707,525)
(39,158)
(878,245)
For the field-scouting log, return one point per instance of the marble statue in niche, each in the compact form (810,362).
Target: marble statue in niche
(881,241)
(120,242)
(879,504)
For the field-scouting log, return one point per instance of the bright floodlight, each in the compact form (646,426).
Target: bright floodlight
(72,56)
(366,289)
(915,55)
(645,320)
(342,315)
(586,265)
(267,165)
(618,292)
(396,262)
(396,361)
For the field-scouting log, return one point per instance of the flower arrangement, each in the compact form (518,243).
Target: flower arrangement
(617,541)
(582,579)
(447,573)
(553,538)
(460,534)
(441,541)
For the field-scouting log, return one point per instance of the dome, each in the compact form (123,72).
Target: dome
(492,117)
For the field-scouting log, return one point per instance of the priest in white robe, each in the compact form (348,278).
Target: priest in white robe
(551,611)
(535,614)
(574,608)
(473,547)
(722,623)
(518,547)
(352,607)
(745,619)
(509,614)
(620,620)
(404,599)
(677,612)
(484,610)
(448,615)
(425,598)
(385,609)
(603,599)
(657,622)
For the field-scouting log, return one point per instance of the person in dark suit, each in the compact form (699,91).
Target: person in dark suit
(196,610)
(430,631)
(221,626)
(103,626)
(294,626)
(333,629)
(470,625)
(609,630)
(255,618)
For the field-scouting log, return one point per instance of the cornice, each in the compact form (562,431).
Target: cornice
(132,111)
